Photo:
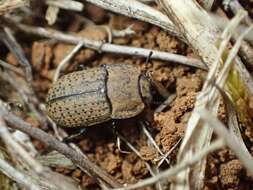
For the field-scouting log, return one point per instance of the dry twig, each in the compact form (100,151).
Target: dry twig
(17,176)
(11,67)
(42,176)
(80,160)
(55,159)
(13,146)
(111,48)
(28,95)
(16,49)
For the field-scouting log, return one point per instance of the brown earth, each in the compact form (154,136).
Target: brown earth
(224,171)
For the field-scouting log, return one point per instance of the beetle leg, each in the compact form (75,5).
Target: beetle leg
(165,104)
(75,136)
(118,141)
(119,147)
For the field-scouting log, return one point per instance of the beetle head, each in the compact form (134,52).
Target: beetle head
(149,86)
(145,89)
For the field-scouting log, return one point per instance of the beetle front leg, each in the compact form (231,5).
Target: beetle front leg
(75,136)
(165,104)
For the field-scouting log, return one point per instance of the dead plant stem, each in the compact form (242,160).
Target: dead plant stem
(170,173)
(80,160)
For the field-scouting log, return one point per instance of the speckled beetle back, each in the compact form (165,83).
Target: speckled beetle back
(96,95)
(78,99)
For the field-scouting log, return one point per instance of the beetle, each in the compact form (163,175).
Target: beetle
(99,94)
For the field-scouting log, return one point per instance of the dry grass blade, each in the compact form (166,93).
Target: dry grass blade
(10,5)
(25,141)
(147,1)
(133,149)
(170,173)
(232,119)
(6,182)
(186,20)
(207,4)
(140,11)
(201,32)
(65,60)
(168,153)
(151,169)
(55,6)
(52,14)
(207,97)
(152,142)
(235,6)
(28,95)
(223,22)
(246,50)
(66,4)
(231,57)
(229,138)
(202,37)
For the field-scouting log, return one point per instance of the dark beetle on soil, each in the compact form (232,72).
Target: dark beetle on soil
(95,95)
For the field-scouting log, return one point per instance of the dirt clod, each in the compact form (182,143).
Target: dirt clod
(111,163)
(126,169)
(148,153)
(230,174)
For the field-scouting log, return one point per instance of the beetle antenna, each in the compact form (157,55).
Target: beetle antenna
(147,61)
(161,89)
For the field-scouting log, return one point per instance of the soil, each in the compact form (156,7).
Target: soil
(224,171)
